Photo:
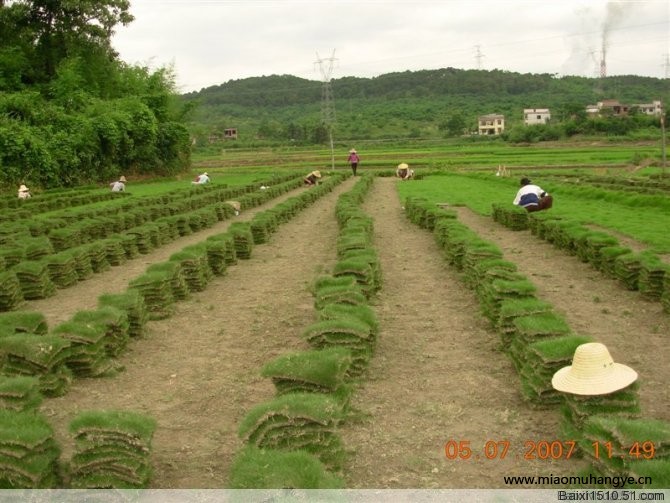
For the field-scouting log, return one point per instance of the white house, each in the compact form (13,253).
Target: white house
(532,116)
(653,108)
(491,124)
(613,107)
(618,109)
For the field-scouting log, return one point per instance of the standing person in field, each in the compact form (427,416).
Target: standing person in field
(119,185)
(532,197)
(24,192)
(353,159)
(312,178)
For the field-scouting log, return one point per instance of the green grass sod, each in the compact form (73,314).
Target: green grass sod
(94,427)
(326,368)
(30,322)
(20,393)
(254,468)
(316,409)
(644,218)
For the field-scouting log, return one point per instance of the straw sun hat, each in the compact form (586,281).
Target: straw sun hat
(317,174)
(122,179)
(403,165)
(593,372)
(23,188)
(235,204)
(352,151)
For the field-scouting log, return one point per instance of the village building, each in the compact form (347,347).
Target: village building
(228,134)
(613,107)
(654,108)
(532,116)
(491,124)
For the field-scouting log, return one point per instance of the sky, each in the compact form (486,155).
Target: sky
(210,42)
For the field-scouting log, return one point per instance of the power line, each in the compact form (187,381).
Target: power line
(528,42)
(478,56)
(327,101)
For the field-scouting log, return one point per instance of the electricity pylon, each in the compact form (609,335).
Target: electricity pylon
(327,102)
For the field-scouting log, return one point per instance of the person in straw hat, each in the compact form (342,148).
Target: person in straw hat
(313,178)
(119,185)
(403,172)
(593,372)
(201,179)
(236,205)
(24,192)
(353,159)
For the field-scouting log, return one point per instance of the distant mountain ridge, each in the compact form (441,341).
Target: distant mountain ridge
(281,90)
(410,99)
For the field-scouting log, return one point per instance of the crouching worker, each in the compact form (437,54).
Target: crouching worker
(119,185)
(313,178)
(237,207)
(201,179)
(532,197)
(403,172)
(24,192)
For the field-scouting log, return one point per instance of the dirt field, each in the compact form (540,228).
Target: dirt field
(437,375)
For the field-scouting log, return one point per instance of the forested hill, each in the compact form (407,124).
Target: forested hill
(415,104)
(283,90)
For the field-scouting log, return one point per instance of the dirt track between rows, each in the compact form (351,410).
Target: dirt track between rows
(438,373)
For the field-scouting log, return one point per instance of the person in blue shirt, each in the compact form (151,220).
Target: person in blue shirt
(532,197)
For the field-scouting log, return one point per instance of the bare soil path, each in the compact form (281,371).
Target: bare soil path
(198,372)
(437,375)
(634,330)
(84,294)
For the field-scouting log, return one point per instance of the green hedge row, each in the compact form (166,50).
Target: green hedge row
(313,387)
(86,346)
(70,228)
(17,209)
(641,271)
(653,185)
(112,448)
(538,340)
(38,269)
(87,343)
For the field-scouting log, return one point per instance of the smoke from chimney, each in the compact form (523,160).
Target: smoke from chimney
(615,12)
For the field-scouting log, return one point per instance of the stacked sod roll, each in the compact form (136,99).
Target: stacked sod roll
(113,450)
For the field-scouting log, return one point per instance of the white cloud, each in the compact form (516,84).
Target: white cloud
(212,41)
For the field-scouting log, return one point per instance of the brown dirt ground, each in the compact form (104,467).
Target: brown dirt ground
(437,374)
(633,329)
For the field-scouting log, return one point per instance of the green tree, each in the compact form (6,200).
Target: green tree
(70,110)
(320,134)
(62,28)
(455,125)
